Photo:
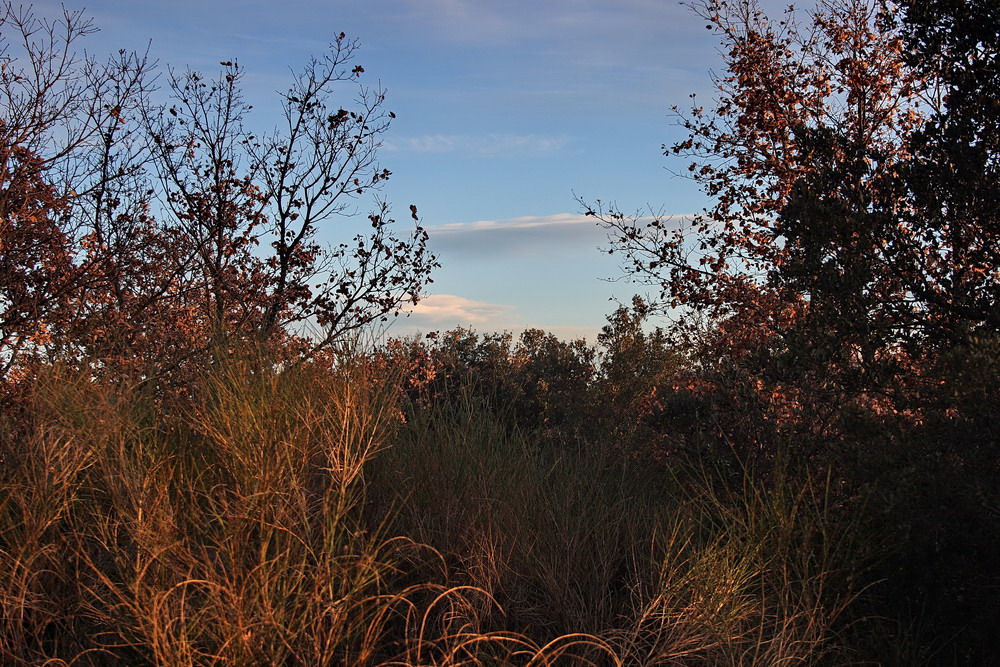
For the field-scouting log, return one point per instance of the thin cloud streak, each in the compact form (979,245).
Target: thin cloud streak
(451,310)
(530,236)
(536,222)
(483,21)
(513,224)
(550,235)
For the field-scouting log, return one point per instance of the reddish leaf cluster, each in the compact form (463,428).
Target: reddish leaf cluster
(850,166)
(146,237)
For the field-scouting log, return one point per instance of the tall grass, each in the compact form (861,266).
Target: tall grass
(681,566)
(290,516)
(752,575)
(219,529)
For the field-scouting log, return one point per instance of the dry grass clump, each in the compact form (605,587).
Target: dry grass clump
(695,567)
(220,529)
(758,577)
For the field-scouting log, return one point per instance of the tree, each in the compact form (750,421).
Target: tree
(167,229)
(541,384)
(36,267)
(634,364)
(831,248)
(58,108)
(950,182)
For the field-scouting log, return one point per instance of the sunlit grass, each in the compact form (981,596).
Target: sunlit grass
(295,516)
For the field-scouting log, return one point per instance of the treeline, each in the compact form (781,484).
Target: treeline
(901,502)
(479,499)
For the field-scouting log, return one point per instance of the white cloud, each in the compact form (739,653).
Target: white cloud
(513,224)
(557,220)
(530,236)
(448,311)
(452,310)
(490,145)
(549,235)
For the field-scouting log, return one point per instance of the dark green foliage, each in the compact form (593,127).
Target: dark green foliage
(540,379)
(952,180)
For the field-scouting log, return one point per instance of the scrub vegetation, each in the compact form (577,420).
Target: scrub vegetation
(788,454)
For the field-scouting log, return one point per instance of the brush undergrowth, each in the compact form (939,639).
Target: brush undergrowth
(688,565)
(295,516)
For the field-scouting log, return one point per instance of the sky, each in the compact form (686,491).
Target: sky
(506,111)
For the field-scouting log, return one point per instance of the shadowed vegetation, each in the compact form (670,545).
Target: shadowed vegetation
(803,469)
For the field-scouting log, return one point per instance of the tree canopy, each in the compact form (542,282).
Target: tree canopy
(145,222)
(851,157)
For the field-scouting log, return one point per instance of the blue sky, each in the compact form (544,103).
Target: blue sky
(505,109)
